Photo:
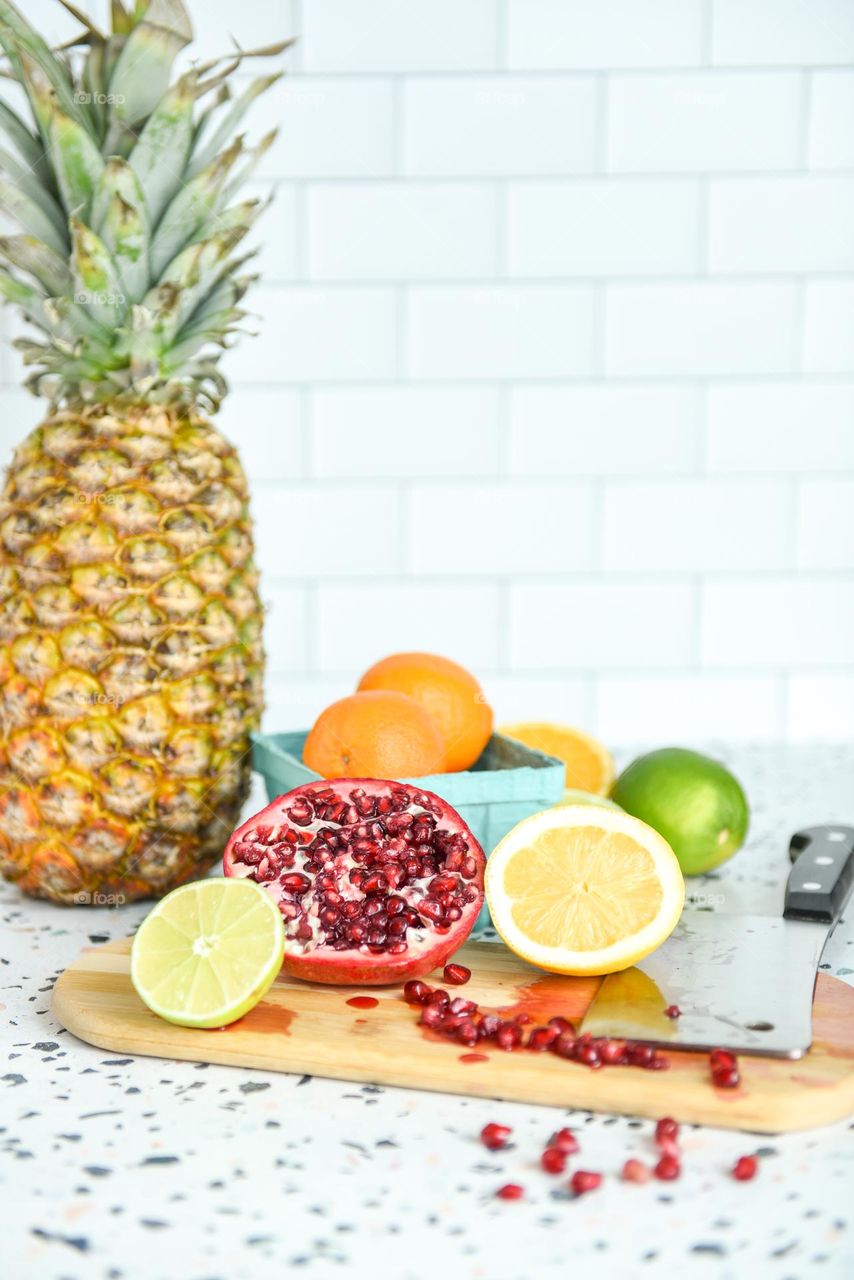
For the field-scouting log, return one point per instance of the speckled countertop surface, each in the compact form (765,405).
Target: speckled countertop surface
(116,1167)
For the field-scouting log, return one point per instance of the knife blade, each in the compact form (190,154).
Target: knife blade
(741,982)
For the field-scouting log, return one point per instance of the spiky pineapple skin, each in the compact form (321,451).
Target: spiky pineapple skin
(130,653)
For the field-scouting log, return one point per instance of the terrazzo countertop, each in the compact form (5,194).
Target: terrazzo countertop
(116,1167)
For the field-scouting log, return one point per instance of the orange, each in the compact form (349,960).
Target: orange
(589,767)
(448,692)
(378,734)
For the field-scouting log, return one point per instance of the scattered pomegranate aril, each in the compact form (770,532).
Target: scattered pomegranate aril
(561,1024)
(416,992)
(508,1036)
(666,1127)
(583,1180)
(745,1168)
(458,1005)
(511,1191)
(722,1058)
(495,1136)
(431,1017)
(673,1011)
(726,1078)
(542,1038)
(668,1147)
(667,1169)
(467,1035)
(635,1171)
(613,1052)
(639,1055)
(488,1025)
(456,974)
(565,1141)
(553,1160)
(565,1045)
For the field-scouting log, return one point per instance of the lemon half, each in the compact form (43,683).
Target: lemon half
(583,890)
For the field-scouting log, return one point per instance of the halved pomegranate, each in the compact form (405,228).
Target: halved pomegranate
(377,881)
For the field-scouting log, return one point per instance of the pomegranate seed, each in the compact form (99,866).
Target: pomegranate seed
(508,1036)
(582,1181)
(438,999)
(745,1168)
(463,1006)
(415,992)
(489,1025)
(494,1136)
(542,1038)
(565,1044)
(295,882)
(722,1058)
(456,974)
(673,1011)
(667,1169)
(635,1171)
(589,1056)
(726,1078)
(560,1024)
(640,1055)
(565,1141)
(553,1160)
(510,1191)
(666,1128)
(668,1147)
(431,1016)
(614,1052)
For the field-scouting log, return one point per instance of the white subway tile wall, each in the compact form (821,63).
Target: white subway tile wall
(555,371)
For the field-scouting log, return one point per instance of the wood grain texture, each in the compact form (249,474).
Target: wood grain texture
(309,1029)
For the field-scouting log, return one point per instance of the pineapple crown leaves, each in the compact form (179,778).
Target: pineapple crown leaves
(123,186)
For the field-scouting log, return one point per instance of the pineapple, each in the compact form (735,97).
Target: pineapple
(130,623)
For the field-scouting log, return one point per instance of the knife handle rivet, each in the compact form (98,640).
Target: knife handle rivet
(811,885)
(836,836)
(823,862)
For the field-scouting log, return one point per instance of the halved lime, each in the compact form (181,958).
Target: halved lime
(208,952)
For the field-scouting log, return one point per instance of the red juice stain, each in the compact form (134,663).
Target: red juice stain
(474,1057)
(553,995)
(363,1002)
(267,1019)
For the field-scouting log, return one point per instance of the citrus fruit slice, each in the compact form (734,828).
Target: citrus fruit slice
(589,766)
(583,890)
(208,952)
(690,799)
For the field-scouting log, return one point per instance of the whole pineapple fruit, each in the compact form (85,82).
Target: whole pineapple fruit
(130,623)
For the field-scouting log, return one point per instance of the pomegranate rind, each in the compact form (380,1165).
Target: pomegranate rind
(357,966)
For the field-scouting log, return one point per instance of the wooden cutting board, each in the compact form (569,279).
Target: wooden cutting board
(370,1035)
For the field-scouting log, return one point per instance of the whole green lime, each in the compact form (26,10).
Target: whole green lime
(691,800)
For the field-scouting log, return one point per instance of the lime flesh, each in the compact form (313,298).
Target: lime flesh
(691,800)
(208,952)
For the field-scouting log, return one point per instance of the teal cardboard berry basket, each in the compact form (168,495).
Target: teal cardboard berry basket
(508,783)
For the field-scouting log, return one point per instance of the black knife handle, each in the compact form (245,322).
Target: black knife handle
(821,879)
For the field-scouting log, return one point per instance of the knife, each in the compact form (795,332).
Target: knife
(741,982)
